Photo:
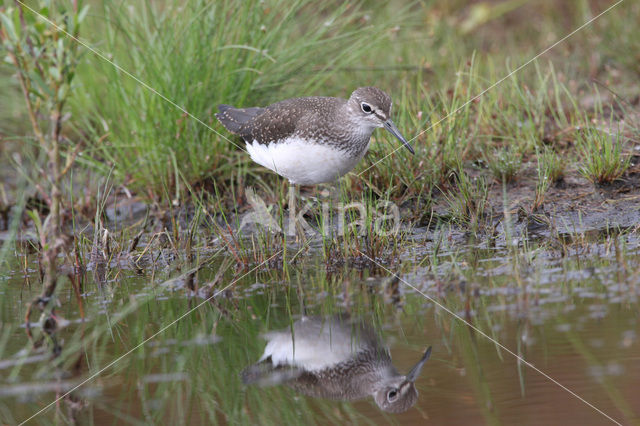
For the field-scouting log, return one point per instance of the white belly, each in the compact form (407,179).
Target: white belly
(316,345)
(302,162)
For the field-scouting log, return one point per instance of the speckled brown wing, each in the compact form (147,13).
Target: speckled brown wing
(300,116)
(278,121)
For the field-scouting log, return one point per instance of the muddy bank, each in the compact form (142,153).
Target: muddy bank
(571,205)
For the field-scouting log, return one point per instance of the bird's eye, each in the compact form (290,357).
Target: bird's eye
(366,108)
(392,395)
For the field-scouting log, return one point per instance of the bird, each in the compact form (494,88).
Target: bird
(335,358)
(312,140)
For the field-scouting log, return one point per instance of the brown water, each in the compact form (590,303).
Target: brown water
(573,313)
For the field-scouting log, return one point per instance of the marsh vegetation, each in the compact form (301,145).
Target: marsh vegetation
(144,255)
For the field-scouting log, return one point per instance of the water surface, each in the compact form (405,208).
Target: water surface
(571,312)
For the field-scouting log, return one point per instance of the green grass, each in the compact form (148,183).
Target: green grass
(550,170)
(552,164)
(467,200)
(603,159)
(263,52)
(504,163)
(434,58)
(200,54)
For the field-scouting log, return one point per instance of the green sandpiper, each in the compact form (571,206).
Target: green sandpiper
(337,359)
(314,139)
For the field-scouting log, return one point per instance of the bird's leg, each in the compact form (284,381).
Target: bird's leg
(291,203)
(298,226)
(330,197)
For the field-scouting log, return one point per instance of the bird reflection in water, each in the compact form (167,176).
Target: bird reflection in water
(335,358)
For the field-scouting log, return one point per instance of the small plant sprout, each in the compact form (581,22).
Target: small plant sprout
(550,170)
(467,203)
(552,165)
(504,163)
(603,161)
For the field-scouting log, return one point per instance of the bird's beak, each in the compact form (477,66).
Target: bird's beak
(395,132)
(415,371)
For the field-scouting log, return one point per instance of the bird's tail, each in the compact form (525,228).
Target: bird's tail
(266,374)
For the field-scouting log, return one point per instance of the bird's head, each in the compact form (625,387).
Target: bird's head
(371,107)
(399,393)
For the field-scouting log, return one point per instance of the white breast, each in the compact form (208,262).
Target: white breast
(304,162)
